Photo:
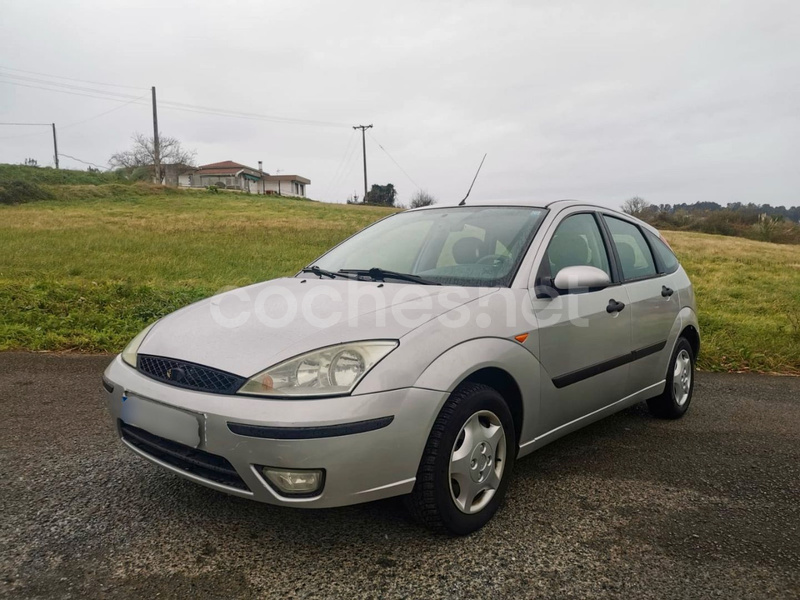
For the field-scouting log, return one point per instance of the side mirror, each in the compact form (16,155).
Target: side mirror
(581,278)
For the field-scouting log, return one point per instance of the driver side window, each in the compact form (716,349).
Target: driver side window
(576,242)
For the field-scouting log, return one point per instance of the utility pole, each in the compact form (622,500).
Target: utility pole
(363,129)
(55,145)
(156,145)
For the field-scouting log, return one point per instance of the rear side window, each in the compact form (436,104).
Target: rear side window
(634,253)
(669,263)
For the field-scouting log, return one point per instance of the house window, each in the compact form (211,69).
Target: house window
(228,181)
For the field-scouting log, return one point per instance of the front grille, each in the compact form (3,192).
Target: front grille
(189,375)
(197,462)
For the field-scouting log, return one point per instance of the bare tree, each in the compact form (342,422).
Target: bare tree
(636,206)
(142,154)
(422,198)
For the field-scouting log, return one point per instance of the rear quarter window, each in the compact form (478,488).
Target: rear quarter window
(669,262)
(634,254)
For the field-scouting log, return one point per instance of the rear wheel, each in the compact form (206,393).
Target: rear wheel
(674,401)
(467,462)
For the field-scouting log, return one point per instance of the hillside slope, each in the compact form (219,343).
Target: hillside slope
(748,297)
(50,176)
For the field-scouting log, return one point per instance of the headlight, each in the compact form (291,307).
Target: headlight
(334,370)
(132,349)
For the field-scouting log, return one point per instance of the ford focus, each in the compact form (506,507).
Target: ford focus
(420,357)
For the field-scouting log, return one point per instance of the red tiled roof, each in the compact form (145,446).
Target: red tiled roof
(226,167)
(211,171)
(225,164)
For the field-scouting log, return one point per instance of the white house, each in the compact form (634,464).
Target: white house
(286,185)
(235,176)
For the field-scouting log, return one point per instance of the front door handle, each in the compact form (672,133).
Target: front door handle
(666,292)
(614,306)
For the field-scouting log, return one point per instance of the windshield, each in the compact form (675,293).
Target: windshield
(469,246)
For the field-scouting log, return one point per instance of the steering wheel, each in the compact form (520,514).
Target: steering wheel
(495,260)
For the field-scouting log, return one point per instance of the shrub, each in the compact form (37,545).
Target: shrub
(20,192)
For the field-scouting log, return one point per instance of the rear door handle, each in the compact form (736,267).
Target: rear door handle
(666,292)
(614,306)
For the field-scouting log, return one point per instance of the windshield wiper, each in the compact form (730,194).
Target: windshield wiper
(378,274)
(321,272)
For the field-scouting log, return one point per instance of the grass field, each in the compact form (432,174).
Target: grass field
(748,296)
(87,274)
(47,175)
(86,271)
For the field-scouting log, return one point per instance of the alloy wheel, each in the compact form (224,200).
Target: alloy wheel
(682,377)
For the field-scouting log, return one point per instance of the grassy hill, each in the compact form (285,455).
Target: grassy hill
(50,176)
(87,269)
(748,296)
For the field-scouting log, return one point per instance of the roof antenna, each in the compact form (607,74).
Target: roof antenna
(464,201)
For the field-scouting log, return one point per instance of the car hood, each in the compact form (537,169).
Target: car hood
(246,330)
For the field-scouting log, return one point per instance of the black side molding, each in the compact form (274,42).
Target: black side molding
(590,371)
(109,387)
(309,433)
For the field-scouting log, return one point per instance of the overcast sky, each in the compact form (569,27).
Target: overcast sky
(673,101)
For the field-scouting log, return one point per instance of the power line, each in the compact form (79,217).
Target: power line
(97,116)
(339,171)
(128,96)
(102,114)
(395,162)
(24,135)
(351,166)
(72,79)
(36,87)
(64,88)
(85,162)
(69,86)
(236,113)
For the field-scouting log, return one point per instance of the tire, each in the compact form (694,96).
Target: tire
(674,401)
(467,430)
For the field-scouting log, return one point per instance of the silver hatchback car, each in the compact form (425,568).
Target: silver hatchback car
(420,357)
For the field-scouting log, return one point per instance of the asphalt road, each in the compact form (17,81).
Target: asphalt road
(708,506)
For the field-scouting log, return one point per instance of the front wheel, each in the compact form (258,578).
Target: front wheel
(674,402)
(465,469)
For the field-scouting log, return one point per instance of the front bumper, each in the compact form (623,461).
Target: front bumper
(359,467)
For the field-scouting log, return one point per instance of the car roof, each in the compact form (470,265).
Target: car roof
(553,204)
(503,202)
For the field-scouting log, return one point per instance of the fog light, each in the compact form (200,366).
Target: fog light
(294,483)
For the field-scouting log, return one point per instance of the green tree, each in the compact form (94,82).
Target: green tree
(384,195)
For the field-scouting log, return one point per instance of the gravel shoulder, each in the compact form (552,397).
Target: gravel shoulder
(630,506)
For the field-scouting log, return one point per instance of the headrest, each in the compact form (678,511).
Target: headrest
(627,255)
(568,250)
(466,251)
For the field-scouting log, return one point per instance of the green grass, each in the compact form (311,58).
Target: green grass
(748,296)
(88,274)
(88,269)
(50,176)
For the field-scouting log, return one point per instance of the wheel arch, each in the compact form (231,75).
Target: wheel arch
(685,326)
(505,384)
(499,363)
(692,335)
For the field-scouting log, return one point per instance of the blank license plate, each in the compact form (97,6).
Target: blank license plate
(161,420)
